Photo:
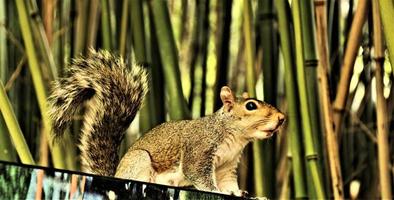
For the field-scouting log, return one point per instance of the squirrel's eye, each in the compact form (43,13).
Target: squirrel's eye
(251,106)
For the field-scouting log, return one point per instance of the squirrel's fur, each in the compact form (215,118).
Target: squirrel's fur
(202,152)
(112,96)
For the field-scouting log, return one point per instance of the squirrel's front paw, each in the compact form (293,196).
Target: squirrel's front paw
(239,193)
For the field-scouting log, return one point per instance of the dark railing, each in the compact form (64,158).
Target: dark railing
(31,182)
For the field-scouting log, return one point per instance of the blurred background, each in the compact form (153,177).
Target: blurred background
(325,63)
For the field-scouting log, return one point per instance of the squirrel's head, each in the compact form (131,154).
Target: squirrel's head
(259,119)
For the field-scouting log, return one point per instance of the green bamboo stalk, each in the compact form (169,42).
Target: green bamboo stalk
(269,44)
(291,95)
(157,89)
(249,49)
(250,87)
(169,56)
(222,50)
(310,150)
(92,26)
(193,61)
(199,62)
(49,66)
(3,41)
(6,147)
(147,113)
(37,80)
(112,24)
(14,129)
(334,40)
(138,31)
(56,45)
(106,25)
(258,162)
(310,62)
(80,26)
(204,40)
(123,28)
(65,42)
(381,108)
(40,37)
(387,14)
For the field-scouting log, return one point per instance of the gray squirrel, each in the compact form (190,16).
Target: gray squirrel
(203,152)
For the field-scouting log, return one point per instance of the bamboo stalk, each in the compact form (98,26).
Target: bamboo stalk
(222,50)
(268,44)
(332,143)
(169,56)
(105,25)
(6,147)
(123,28)
(249,49)
(80,27)
(291,94)
(348,64)
(311,63)
(250,87)
(92,26)
(41,39)
(204,38)
(381,108)
(387,14)
(112,24)
(37,80)
(138,31)
(147,116)
(65,43)
(157,89)
(310,150)
(14,129)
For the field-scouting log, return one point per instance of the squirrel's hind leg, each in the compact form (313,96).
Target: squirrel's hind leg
(136,165)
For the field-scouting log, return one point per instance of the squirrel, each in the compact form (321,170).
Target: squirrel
(202,152)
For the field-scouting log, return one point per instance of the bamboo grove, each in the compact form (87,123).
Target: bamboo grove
(326,64)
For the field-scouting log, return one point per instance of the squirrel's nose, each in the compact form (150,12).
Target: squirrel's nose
(281,118)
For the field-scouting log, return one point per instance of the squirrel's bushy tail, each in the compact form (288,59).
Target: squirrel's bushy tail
(112,94)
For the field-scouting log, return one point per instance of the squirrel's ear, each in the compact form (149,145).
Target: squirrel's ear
(245,95)
(227,97)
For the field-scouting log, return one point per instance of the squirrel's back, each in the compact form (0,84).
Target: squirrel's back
(112,95)
(166,141)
